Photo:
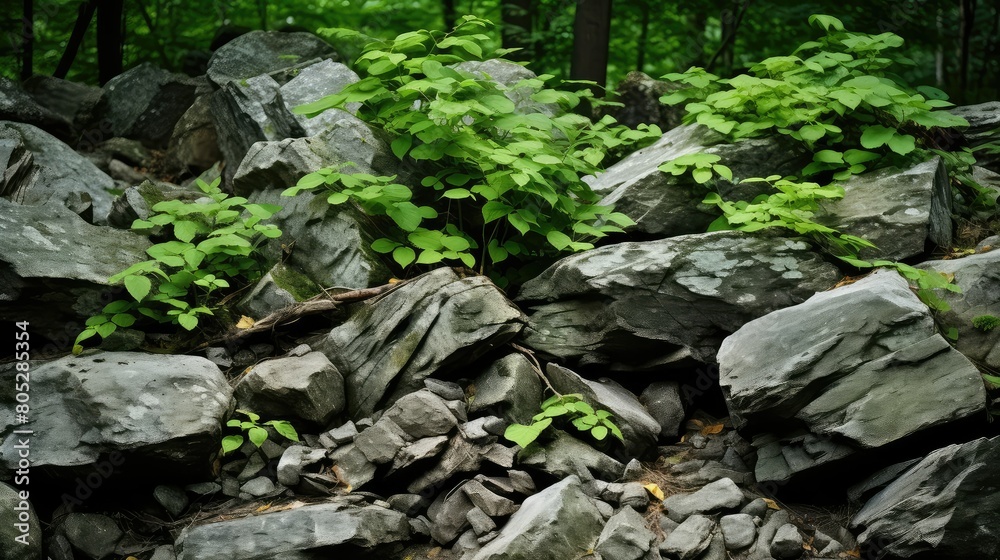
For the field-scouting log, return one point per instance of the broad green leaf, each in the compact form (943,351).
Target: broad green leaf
(403,256)
(828,156)
(257,435)
(123,319)
(138,286)
(187,321)
(902,144)
(701,175)
(105,329)
(384,245)
(599,432)
(231,443)
(876,136)
(494,210)
(402,145)
(405,214)
(284,429)
(558,239)
(428,256)
(185,230)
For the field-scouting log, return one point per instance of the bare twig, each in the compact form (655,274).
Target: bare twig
(535,365)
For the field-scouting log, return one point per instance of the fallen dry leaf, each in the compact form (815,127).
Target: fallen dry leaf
(654,489)
(771,503)
(712,429)
(245,322)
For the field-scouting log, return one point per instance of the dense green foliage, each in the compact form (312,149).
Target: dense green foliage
(207,241)
(569,409)
(255,430)
(499,180)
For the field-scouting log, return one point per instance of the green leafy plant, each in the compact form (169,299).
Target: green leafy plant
(836,95)
(255,431)
(500,179)
(986,323)
(570,408)
(208,242)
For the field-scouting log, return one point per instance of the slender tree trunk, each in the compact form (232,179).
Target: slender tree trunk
(448,9)
(518,22)
(591,35)
(262,13)
(729,36)
(83,17)
(27,39)
(110,39)
(967,17)
(939,50)
(640,59)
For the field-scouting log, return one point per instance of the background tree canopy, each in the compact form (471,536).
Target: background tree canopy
(954,43)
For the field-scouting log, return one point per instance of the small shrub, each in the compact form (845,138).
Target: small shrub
(570,408)
(255,431)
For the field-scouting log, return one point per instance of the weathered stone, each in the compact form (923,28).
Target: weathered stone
(279,162)
(640,305)
(461,455)
(307,387)
(260,52)
(721,495)
(435,322)
(983,119)
(299,530)
(690,538)
(294,460)
(352,466)
(944,507)
(424,448)
(449,515)
(95,535)
(480,522)
(761,549)
(313,83)
(738,530)
(639,429)
(665,205)
(565,456)
(16,105)
(258,487)
(858,367)
(421,414)
(447,390)
(558,522)
(282,286)
(17,169)
(509,387)
(978,276)
(787,542)
(20,527)
(640,96)
(900,211)
(381,442)
(172,498)
(489,502)
(509,75)
(61,171)
(73,101)
(145,102)
(157,411)
(194,143)
(662,400)
(625,537)
(165,552)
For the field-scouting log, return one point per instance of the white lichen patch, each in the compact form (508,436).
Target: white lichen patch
(702,285)
(34,236)
(716,261)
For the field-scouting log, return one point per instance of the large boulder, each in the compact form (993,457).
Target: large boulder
(280,164)
(293,533)
(557,523)
(159,412)
(302,385)
(20,527)
(76,103)
(509,75)
(194,144)
(640,305)
(664,205)
(261,52)
(62,173)
(945,507)
(901,211)
(433,323)
(145,102)
(640,98)
(313,83)
(979,278)
(16,105)
(855,368)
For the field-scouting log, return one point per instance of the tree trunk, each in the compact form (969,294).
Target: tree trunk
(518,23)
(27,39)
(730,25)
(110,39)
(262,13)
(84,14)
(448,10)
(591,34)
(967,17)
(640,59)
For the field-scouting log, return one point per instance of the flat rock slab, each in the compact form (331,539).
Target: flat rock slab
(307,387)
(854,368)
(901,211)
(275,535)
(435,322)
(260,52)
(145,102)
(158,410)
(945,506)
(640,305)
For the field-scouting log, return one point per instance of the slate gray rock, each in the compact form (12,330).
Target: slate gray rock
(738,530)
(161,412)
(20,527)
(448,514)
(640,305)
(294,531)
(566,456)
(978,276)
(278,162)
(172,498)
(857,367)
(721,495)
(61,171)
(353,467)
(17,169)
(16,105)
(194,142)
(487,501)
(307,387)
(665,205)
(509,387)
(640,96)
(294,460)
(74,102)
(787,542)
(145,102)
(434,323)
(640,430)
(260,52)
(421,414)
(93,534)
(282,286)
(558,522)
(509,75)
(983,118)
(313,83)
(461,456)
(761,549)
(258,487)
(942,507)
(662,400)
(382,441)
(690,538)
(249,111)
(625,537)
(901,211)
